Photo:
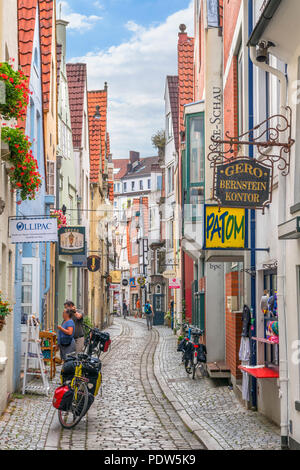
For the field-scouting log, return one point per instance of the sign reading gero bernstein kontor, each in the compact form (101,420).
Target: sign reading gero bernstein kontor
(33,230)
(225,228)
(243,182)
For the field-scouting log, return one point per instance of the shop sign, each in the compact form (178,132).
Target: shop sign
(174,283)
(169,274)
(141,281)
(71,240)
(79,261)
(125,282)
(225,228)
(132,282)
(115,277)
(243,183)
(93,263)
(33,230)
(114,287)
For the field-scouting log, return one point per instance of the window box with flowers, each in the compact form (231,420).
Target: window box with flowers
(5,310)
(61,218)
(16,97)
(23,167)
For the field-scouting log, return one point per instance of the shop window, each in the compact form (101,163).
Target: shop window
(51,177)
(29,288)
(70,283)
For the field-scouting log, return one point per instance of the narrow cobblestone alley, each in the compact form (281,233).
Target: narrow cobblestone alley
(133,412)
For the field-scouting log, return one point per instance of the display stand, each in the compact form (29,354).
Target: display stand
(48,347)
(33,350)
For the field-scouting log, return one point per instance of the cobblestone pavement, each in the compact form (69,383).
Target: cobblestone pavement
(132,412)
(212,405)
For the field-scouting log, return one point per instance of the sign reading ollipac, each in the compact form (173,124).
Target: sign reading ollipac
(33,230)
(243,182)
(225,228)
(71,240)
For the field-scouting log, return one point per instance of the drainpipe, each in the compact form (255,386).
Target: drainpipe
(283,380)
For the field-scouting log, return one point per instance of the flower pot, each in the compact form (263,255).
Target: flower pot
(2,323)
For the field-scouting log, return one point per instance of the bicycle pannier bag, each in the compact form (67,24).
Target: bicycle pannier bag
(62,398)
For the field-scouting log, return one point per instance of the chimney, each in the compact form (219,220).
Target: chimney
(182,36)
(61,33)
(134,156)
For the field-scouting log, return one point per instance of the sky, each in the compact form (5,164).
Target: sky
(132,45)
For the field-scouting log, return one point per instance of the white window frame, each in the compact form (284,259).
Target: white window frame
(35,263)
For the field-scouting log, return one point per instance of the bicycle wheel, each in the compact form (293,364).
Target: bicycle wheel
(69,419)
(188,367)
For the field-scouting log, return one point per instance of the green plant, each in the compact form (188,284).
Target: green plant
(159,141)
(180,338)
(24,174)
(16,92)
(5,308)
(87,322)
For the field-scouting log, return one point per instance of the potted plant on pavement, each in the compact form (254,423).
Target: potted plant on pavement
(5,310)
(168,319)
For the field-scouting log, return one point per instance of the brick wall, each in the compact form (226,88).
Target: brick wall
(231,10)
(233,326)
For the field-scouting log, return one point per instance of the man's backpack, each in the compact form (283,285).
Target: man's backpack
(148,310)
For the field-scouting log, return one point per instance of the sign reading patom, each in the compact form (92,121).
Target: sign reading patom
(244,182)
(33,230)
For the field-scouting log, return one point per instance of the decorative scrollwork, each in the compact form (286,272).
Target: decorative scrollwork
(250,271)
(265,137)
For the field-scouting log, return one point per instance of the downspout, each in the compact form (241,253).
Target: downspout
(283,380)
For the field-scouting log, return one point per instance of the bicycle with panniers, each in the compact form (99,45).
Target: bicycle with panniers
(81,379)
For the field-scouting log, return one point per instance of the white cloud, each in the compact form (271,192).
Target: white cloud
(77,22)
(136,72)
(99,5)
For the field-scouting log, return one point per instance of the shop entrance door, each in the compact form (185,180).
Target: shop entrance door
(158,307)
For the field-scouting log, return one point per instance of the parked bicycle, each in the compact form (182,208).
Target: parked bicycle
(81,380)
(194,352)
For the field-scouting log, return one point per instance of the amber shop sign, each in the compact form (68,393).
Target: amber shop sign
(243,183)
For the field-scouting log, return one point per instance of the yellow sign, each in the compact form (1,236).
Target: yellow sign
(225,228)
(116,277)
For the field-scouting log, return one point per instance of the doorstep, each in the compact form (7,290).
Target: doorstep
(218,370)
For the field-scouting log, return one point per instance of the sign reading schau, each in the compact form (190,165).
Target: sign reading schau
(33,230)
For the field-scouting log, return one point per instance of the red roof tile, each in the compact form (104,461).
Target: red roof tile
(47,29)
(185,73)
(77,76)
(26,26)
(97,132)
(120,164)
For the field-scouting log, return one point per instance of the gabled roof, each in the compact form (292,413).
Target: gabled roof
(121,164)
(97,132)
(173,83)
(185,73)
(77,76)
(26,27)
(144,168)
(47,29)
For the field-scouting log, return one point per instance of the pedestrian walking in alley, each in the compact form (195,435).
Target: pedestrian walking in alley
(125,309)
(66,331)
(138,309)
(77,318)
(149,315)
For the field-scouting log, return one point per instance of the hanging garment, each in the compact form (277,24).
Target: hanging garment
(244,356)
(246,319)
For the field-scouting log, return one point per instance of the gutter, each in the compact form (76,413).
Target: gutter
(263,22)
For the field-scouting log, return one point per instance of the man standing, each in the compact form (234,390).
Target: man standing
(149,315)
(124,309)
(77,318)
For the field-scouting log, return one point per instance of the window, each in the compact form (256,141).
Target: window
(159,182)
(124,187)
(149,184)
(169,126)
(51,177)
(70,284)
(141,185)
(196,150)
(171,179)
(132,185)
(29,288)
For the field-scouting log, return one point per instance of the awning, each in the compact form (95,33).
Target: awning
(289,230)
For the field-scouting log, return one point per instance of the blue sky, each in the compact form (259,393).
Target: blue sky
(131,44)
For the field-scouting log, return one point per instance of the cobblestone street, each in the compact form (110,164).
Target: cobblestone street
(146,398)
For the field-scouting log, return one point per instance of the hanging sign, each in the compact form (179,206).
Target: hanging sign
(125,282)
(141,281)
(132,282)
(93,263)
(71,240)
(169,274)
(225,228)
(33,230)
(244,183)
(174,283)
(115,277)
